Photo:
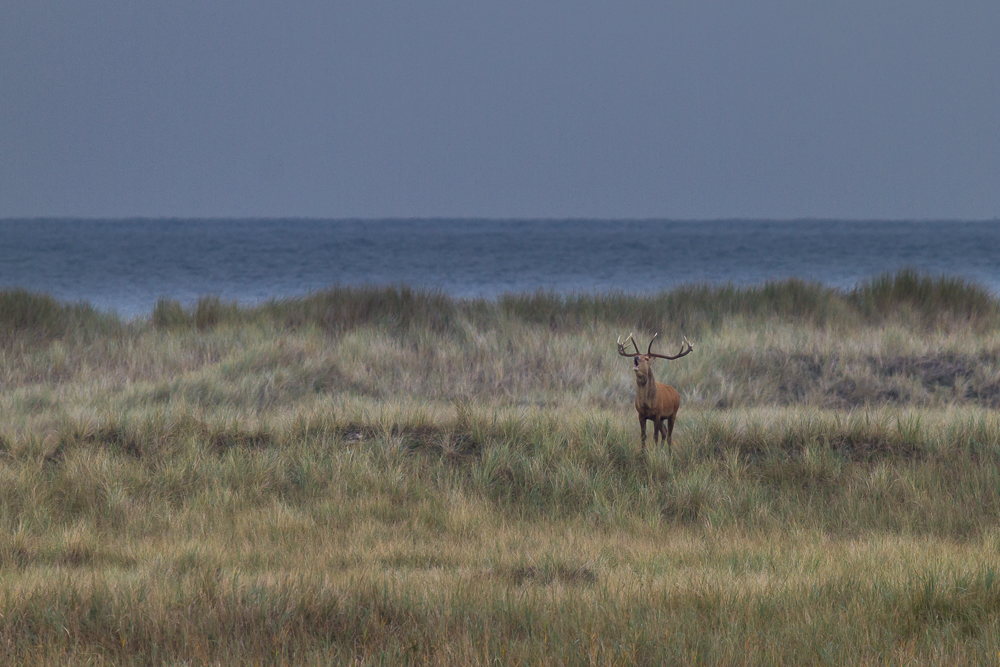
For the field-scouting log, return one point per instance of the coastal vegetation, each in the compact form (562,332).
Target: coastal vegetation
(383,475)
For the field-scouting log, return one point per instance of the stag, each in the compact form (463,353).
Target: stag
(654,400)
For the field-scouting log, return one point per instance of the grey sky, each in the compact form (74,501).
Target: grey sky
(541,108)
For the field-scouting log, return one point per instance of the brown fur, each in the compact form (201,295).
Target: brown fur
(654,400)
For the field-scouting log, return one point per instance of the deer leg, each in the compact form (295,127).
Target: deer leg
(657,429)
(670,431)
(642,429)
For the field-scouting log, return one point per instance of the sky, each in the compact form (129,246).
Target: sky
(693,109)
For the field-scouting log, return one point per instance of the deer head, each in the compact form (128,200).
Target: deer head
(642,366)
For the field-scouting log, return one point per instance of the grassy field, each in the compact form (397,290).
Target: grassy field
(387,476)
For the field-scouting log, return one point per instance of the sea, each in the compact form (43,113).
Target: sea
(126,265)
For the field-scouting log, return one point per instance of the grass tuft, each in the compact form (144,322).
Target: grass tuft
(32,319)
(934,300)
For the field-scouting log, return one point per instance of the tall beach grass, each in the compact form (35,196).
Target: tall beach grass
(388,475)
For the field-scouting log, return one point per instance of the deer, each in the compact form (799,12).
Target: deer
(654,400)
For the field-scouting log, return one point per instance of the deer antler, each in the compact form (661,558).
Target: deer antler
(621,346)
(684,343)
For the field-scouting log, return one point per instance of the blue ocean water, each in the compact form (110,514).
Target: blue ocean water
(125,265)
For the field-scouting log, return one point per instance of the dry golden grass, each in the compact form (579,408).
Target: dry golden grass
(387,477)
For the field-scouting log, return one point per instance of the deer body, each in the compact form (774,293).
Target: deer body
(657,401)
(654,400)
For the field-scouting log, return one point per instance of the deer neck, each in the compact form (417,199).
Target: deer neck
(645,389)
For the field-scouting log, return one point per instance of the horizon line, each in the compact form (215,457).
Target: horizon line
(419,219)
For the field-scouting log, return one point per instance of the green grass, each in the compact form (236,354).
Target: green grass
(384,475)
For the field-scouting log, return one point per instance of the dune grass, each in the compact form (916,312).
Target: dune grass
(384,475)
